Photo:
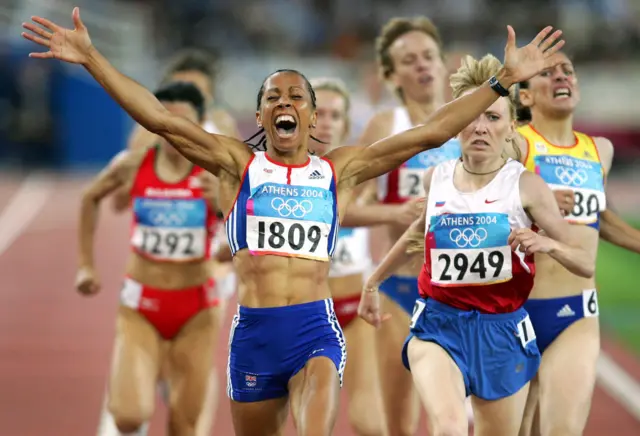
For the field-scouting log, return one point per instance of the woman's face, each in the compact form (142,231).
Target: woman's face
(286,111)
(418,69)
(486,136)
(332,123)
(554,92)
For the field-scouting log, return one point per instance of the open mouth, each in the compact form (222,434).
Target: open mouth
(560,93)
(480,143)
(425,79)
(285,126)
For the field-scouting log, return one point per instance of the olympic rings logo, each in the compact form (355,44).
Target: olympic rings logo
(570,176)
(162,218)
(292,207)
(468,237)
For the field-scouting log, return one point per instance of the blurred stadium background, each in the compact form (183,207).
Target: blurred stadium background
(55,122)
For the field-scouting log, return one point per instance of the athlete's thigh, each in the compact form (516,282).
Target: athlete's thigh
(189,362)
(440,385)
(314,394)
(567,377)
(259,418)
(530,420)
(135,366)
(501,417)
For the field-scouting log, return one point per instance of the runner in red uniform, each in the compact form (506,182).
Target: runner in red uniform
(166,329)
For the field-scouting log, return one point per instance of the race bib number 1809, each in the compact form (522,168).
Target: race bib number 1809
(297,225)
(470,249)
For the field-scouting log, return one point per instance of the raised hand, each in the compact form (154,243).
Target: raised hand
(67,45)
(525,62)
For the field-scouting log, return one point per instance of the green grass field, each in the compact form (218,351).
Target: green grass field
(618,277)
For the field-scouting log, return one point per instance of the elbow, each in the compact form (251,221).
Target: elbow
(588,267)
(89,199)
(586,271)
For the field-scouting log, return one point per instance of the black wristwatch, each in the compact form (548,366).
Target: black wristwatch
(497,87)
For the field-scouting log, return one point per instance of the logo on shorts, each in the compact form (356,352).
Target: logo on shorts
(565,311)
(251,380)
(149,304)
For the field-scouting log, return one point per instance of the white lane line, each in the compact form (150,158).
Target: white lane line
(619,384)
(22,208)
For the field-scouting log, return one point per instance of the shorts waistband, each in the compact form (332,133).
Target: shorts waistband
(559,300)
(445,308)
(313,307)
(402,279)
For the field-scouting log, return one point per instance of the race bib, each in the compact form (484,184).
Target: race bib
(170,230)
(410,183)
(290,220)
(584,177)
(470,249)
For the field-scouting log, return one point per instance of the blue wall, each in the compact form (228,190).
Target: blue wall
(92,128)
(89,127)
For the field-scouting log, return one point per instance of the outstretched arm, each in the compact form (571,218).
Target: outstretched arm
(539,202)
(613,229)
(212,152)
(369,215)
(359,164)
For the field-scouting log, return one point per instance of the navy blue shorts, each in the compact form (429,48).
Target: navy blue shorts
(552,316)
(496,354)
(268,346)
(402,290)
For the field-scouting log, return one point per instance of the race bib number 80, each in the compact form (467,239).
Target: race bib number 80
(584,177)
(470,249)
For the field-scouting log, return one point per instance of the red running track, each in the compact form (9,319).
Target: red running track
(55,346)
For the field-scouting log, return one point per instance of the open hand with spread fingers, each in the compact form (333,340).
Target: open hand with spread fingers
(530,242)
(523,63)
(69,45)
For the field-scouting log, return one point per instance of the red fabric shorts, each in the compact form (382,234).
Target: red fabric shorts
(346,309)
(168,311)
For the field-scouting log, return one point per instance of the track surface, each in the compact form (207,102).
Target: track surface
(55,346)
